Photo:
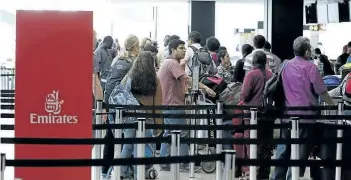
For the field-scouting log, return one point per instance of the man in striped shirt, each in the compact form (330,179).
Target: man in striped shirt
(273,62)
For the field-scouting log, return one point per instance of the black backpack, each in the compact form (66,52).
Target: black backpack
(273,93)
(204,58)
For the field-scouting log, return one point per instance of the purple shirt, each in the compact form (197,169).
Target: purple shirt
(302,84)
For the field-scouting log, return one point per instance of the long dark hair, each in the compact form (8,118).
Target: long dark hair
(221,54)
(143,75)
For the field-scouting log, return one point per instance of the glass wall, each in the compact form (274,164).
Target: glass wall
(232,18)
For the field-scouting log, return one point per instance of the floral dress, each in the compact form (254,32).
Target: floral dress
(226,72)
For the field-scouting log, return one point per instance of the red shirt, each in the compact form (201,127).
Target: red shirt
(253,86)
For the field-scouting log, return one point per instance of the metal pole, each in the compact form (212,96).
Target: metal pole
(253,147)
(233,164)
(118,147)
(98,135)
(174,152)
(141,148)
(2,166)
(295,174)
(339,145)
(192,135)
(178,154)
(227,165)
(219,136)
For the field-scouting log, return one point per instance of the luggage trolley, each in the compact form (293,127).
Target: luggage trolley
(197,97)
(204,149)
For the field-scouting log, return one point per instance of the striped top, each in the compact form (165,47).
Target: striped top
(273,62)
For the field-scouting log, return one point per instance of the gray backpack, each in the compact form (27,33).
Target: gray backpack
(204,58)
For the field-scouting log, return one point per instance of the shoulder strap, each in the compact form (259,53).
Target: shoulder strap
(194,50)
(128,85)
(264,85)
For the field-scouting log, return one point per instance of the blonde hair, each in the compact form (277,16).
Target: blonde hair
(129,44)
(145,42)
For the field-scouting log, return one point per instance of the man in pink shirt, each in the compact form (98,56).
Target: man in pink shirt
(302,84)
(174,81)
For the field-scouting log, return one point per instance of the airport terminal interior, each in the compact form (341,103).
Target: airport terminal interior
(327,23)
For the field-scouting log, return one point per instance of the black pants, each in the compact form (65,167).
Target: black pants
(109,150)
(264,151)
(304,151)
(324,152)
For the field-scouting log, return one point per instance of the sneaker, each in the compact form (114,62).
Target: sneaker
(165,168)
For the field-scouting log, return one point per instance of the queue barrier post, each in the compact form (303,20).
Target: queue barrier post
(175,146)
(2,166)
(192,135)
(118,147)
(339,145)
(141,148)
(233,164)
(219,135)
(229,165)
(253,147)
(295,173)
(98,134)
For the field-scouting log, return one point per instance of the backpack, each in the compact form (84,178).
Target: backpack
(331,81)
(121,95)
(274,92)
(217,84)
(204,58)
(231,94)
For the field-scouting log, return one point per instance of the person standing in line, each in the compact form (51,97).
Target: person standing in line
(302,84)
(173,81)
(225,69)
(98,93)
(252,95)
(104,58)
(341,59)
(118,70)
(212,45)
(239,72)
(327,69)
(193,43)
(273,63)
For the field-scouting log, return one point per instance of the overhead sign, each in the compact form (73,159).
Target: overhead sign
(53,89)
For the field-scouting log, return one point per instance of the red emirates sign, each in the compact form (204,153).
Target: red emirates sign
(53,89)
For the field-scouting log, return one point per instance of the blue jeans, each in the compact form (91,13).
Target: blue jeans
(184,148)
(281,148)
(131,149)
(281,173)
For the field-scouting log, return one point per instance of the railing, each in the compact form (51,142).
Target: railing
(141,140)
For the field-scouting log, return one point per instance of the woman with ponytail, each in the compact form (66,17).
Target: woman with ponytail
(119,68)
(252,95)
